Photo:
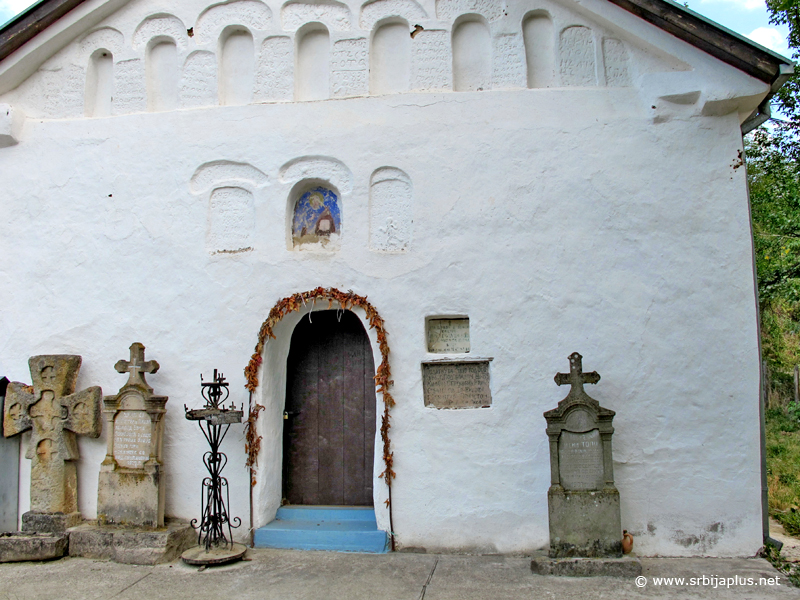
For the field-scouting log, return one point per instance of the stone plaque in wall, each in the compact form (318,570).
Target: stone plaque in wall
(448,336)
(131,487)
(583,502)
(456,384)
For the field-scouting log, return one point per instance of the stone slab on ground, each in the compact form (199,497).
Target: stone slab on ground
(130,545)
(627,566)
(53,523)
(20,546)
(791,546)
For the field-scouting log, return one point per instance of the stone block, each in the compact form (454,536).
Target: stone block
(130,498)
(584,523)
(627,566)
(55,523)
(22,546)
(11,121)
(132,545)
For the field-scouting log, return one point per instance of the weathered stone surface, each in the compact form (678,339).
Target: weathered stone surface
(456,383)
(53,523)
(627,566)
(583,503)
(55,415)
(9,467)
(584,523)
(131,483)
(130,545)
(448,335)
(19,546)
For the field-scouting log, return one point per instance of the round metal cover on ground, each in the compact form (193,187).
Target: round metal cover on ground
(216,556)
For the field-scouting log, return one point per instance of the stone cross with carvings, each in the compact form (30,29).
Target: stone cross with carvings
(55,415)
(137,367)
(576,377)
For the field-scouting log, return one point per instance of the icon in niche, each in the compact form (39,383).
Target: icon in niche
(316,217)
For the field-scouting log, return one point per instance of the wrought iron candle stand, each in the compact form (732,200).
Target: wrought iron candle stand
(214,547)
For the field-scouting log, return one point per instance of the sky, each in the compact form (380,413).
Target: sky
(746,17)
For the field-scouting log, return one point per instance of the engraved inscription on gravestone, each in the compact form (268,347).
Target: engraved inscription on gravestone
(448,336)
(132,435)
(580,456)
(456,384)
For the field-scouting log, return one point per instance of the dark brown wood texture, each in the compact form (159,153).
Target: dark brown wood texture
(329,435)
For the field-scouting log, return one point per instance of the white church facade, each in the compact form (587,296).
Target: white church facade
(482,185)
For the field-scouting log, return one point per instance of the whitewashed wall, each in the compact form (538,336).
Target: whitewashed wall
(604,212)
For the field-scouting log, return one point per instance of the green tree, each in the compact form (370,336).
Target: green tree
(773,168)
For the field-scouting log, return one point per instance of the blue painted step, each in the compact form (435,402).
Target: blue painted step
(337,528)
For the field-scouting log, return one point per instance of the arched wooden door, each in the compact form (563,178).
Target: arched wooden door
(329,429)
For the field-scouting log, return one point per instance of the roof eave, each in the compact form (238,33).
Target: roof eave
(29,23)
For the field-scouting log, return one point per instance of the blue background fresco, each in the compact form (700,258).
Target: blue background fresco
(310,207)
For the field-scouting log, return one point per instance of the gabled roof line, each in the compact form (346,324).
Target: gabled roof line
(32,21)
(714,39)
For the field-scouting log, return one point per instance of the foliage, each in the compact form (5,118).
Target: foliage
(773,165)
(783,456)
(791,570)
(775,200)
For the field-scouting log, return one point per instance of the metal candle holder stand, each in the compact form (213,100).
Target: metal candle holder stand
(214,547)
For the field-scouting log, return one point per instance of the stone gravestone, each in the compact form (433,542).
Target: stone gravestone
(131,485)
(131,527)
(583,502)
(9,467)
(55,415)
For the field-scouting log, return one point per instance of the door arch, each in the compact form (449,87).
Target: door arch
(329,424)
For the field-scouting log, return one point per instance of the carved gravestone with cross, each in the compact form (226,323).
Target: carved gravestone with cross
(55,415)
(131,483)
(583,503)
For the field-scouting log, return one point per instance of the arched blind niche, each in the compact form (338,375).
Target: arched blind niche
(99,84)
(539,37)
(472,54)
(237,66)
(390,58)
(313,63)
(162,75)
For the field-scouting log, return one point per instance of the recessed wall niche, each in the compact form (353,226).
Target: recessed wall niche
(236,66)
(99,88)
(162,75)
(231,222)
(316,217)
(390,58)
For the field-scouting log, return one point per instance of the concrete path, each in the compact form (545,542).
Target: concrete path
(298,575)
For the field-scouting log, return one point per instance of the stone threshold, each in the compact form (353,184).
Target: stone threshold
(627,566)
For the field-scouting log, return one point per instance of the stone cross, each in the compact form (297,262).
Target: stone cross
(55,415)
(576,377)
(137,367)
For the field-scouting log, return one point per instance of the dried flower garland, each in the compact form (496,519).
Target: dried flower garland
(383,380)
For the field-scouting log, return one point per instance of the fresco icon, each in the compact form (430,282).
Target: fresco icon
(316,217)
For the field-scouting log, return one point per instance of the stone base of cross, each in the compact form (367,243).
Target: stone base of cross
(55,415)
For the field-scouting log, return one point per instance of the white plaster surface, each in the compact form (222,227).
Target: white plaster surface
(558,220)
(11,122)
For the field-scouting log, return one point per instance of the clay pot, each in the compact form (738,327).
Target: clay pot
(627,542)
